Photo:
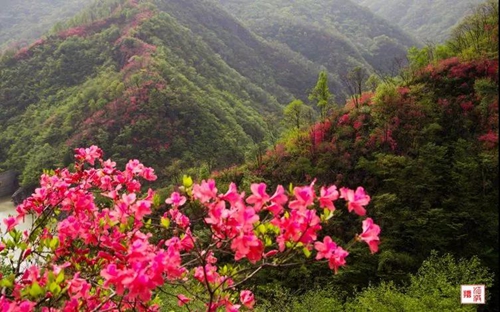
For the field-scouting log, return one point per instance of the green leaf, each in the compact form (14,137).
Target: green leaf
(6,283)
(306,252)
(54,242)
(60,277)
(9,243)
(268,240)
(36,290)
(223,271)
(261,229)
(147,224)
(54,288)
(156,200)
(165,222)
(23,246)
(326,215)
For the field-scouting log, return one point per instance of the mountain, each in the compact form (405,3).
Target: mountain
(428,21)
(425,147)
(25,20)
(267,64)
(337,34)
(158,79)
(136,80)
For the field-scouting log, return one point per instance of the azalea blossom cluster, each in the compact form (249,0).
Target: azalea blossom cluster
(99,243)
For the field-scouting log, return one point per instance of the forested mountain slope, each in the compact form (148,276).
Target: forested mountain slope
(335,33)
(275,68)
(424,145)
(25,20)
(426,20)
(118,69)
(137,82)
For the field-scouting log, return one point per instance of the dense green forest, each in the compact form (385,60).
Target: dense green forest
(21,21)
(326,32)
(186,87)
(427,21)
(117,69)
(425,144)
(111,81)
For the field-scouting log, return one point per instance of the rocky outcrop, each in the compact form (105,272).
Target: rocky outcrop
(20,195)
(8,182)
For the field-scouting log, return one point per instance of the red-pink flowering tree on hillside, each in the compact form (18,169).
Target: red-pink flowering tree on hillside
(91,247)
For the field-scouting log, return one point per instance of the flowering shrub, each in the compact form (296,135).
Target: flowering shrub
(92,248)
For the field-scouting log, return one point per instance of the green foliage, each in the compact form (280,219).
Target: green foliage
(321,94)
(430,22)
(475,36)
(478,33)
(275,68)
(24,20)
(427,151)
(157,92)
(328,33)
(297,114)
(435,287)
(318,300)
(45,157)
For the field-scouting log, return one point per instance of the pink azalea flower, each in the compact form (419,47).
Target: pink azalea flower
(329,250)
(78,287)
(271,253)
(259,196)
(176,200)
(325,249)
(370,234)
(338,258)
(232,195)
(182,300)
(279,197)
(149,174)
(88,154)
(129,199)
(356,200)
(134,166)
(187,242)
(247,298)
(216,212)
(232,307)
(26,306)
(249,246)
(10,222)
(327,197)
(277,201)
(109,165)
(141,209)
(304,197)
(211,274)
(133,186)
(179,218)
(205,191)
